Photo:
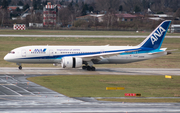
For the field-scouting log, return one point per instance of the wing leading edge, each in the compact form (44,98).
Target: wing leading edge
(105,54)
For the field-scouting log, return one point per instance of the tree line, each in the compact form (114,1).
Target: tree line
(72,9)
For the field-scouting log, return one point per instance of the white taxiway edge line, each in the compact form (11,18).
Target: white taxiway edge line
(83,36)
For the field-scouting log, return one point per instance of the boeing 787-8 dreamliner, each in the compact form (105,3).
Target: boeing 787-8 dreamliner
(87,56)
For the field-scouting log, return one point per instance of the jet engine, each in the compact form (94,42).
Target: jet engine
(71,62)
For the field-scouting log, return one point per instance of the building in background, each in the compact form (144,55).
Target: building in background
(49,15)
(126,17)
(92,17)
(175,28)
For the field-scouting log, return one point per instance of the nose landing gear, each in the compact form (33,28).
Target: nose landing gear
(20,66)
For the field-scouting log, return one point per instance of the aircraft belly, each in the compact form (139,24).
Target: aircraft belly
(118,60)
(122,59)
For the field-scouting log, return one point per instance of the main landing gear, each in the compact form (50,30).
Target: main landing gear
(89,68)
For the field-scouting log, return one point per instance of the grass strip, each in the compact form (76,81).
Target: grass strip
(76,32)
(71,32)
(95,85)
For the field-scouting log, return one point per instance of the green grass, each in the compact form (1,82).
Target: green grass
(75,32)
(70,32)
(170,61)
(95,85)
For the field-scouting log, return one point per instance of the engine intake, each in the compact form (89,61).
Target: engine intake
(71,62)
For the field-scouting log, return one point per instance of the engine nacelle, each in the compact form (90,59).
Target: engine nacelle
(71,62)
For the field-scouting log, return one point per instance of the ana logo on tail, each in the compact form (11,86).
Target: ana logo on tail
(157,34)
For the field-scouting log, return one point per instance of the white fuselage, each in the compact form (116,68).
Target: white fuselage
(54,54)
(76,56)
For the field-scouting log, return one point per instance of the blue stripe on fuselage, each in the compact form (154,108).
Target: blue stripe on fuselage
(143,50)
(77,54)
(140,51)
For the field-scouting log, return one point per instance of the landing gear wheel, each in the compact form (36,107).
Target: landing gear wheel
(20,67)
(88,68)
(93,68)
(84,67)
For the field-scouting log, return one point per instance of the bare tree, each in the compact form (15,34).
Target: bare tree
(178,13)
(38,18)
(4,12)
(107,5)
(110,7)
(110,19)
(64,16)
(2,16)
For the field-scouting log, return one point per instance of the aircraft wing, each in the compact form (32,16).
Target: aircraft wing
(155,53)
(104,55)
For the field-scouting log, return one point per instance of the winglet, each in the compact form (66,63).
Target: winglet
(155,39)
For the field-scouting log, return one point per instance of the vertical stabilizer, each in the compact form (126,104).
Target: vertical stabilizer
(155,39)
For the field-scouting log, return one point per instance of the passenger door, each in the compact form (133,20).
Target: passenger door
(23,53)
(51,52)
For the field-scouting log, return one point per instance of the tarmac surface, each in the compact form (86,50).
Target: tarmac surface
(79,71)
(85,36)
(17,94)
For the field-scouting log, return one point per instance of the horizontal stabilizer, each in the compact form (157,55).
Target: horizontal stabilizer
(155,53)
(170,51)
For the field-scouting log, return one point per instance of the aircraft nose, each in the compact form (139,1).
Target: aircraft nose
(7,58)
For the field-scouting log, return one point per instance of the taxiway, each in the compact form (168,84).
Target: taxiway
(79,71)
(85,36)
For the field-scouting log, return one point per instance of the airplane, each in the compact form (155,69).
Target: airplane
(87,56)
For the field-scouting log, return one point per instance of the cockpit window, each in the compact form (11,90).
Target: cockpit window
(12,52)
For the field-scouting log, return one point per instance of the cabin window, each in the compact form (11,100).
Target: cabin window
(12,52)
